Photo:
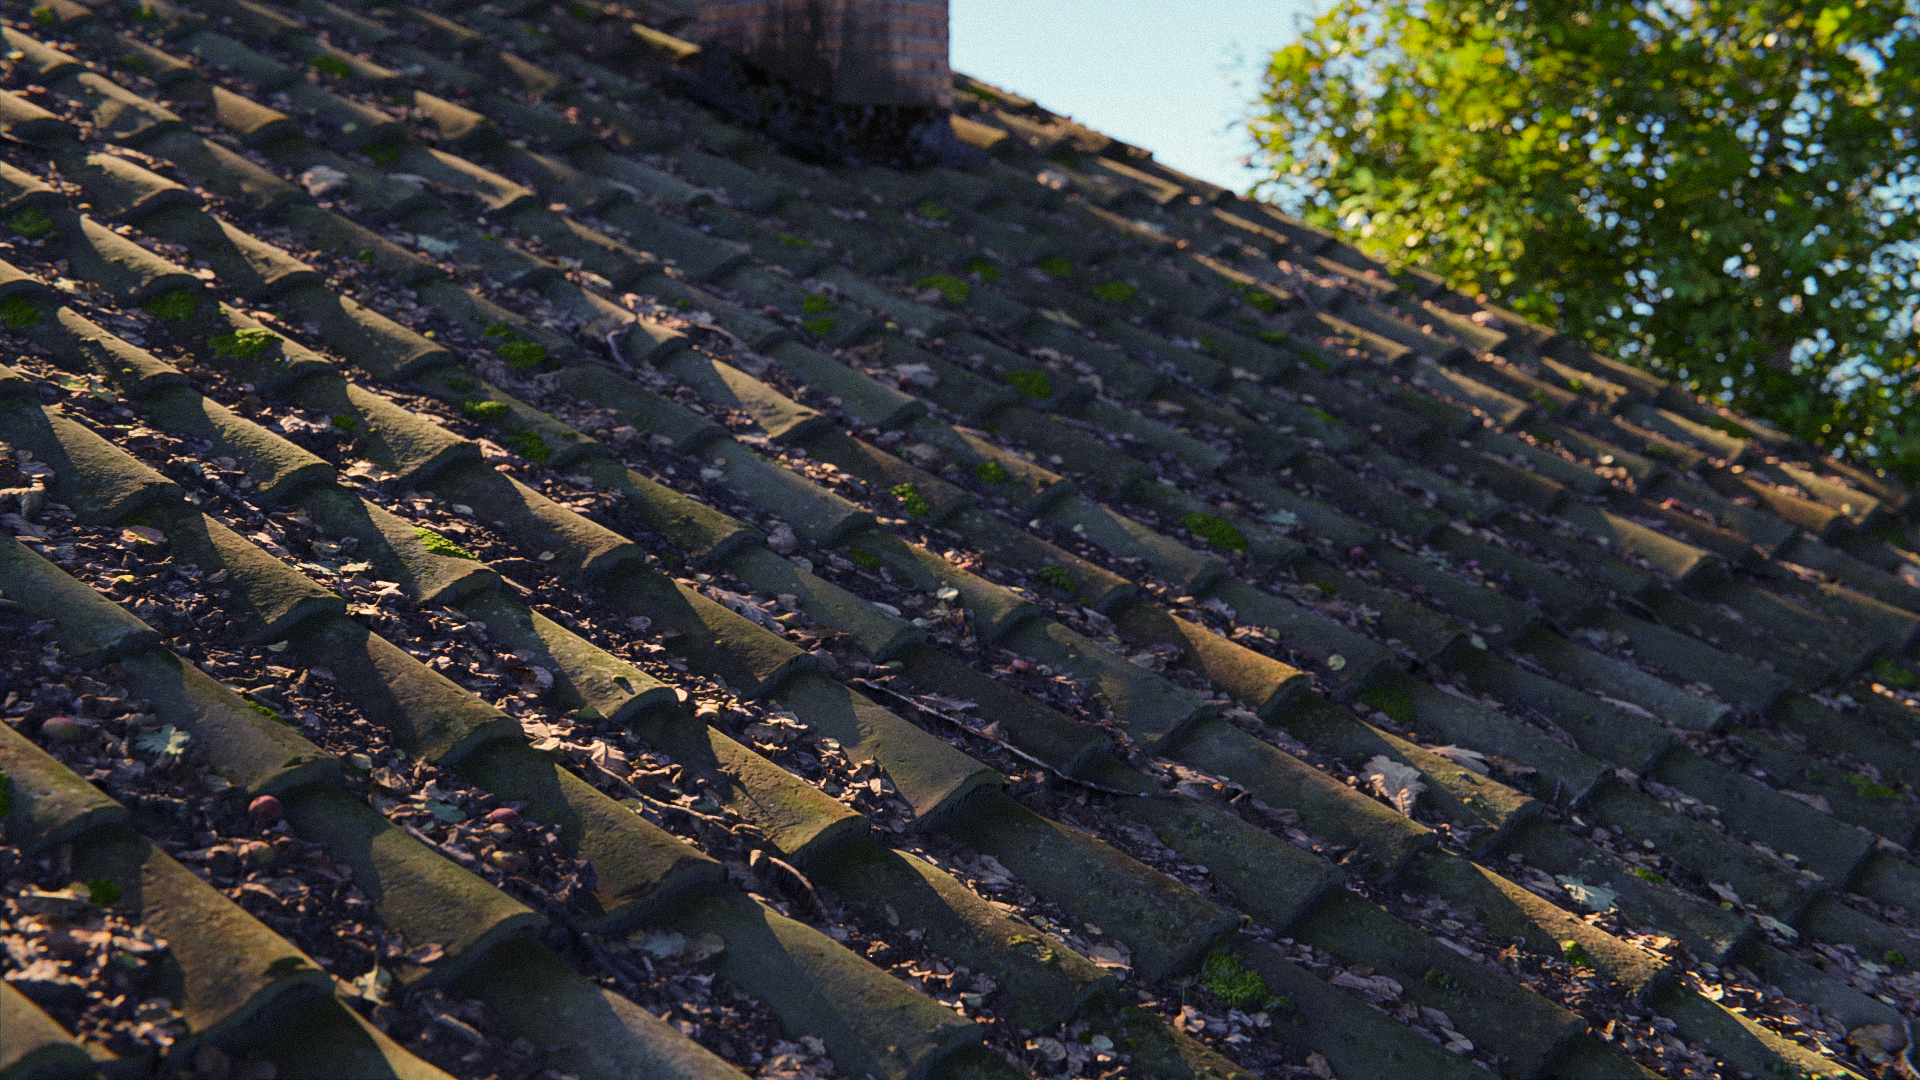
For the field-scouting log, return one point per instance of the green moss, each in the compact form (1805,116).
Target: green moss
(522,354)
(440,545)
(1274,337)
(793,240)
(31,223)
(1215,531)
(1262,301)
(6,795)
(499,330)
(1397,706)
(1895,958)
(16,313)
(263,710)
(1057,265)
(1726,426)
(345,422)
(490,412)
(364,257)
(932,210)
(529,445)
(990,472)
(1576,384)
(1238,986)
(1574,953)
(1115,292)
(815,303)
(329,64)
(44,16)
(1868,789)
(1891,672)
(1647,875)
(1034,384)
(1326,588)
(134,62)
(865,560)
(462,384)
(916,504)
(1033,945)
(956,290)
(819,325)
(385,155)
(987,271)
(103,892)
(176,306)
(1440,979)
(243,344)
(1066,157)
(1658,452)
(1057,577)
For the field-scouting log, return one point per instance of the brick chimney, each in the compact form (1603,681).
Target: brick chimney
(863,81)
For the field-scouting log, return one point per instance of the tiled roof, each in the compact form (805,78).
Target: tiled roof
(485,524)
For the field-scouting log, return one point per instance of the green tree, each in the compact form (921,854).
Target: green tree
(1721,192)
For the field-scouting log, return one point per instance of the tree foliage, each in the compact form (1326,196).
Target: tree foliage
(1720,192)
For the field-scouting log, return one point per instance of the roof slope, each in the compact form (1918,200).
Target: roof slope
(488,530)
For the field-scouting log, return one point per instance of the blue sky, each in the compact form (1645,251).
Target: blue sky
(1173,76)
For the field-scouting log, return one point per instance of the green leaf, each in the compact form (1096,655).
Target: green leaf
(815,304)
(168,742)
(1059,578)
(819,326)
(1057,266)
(1591,897)
(1115,292)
